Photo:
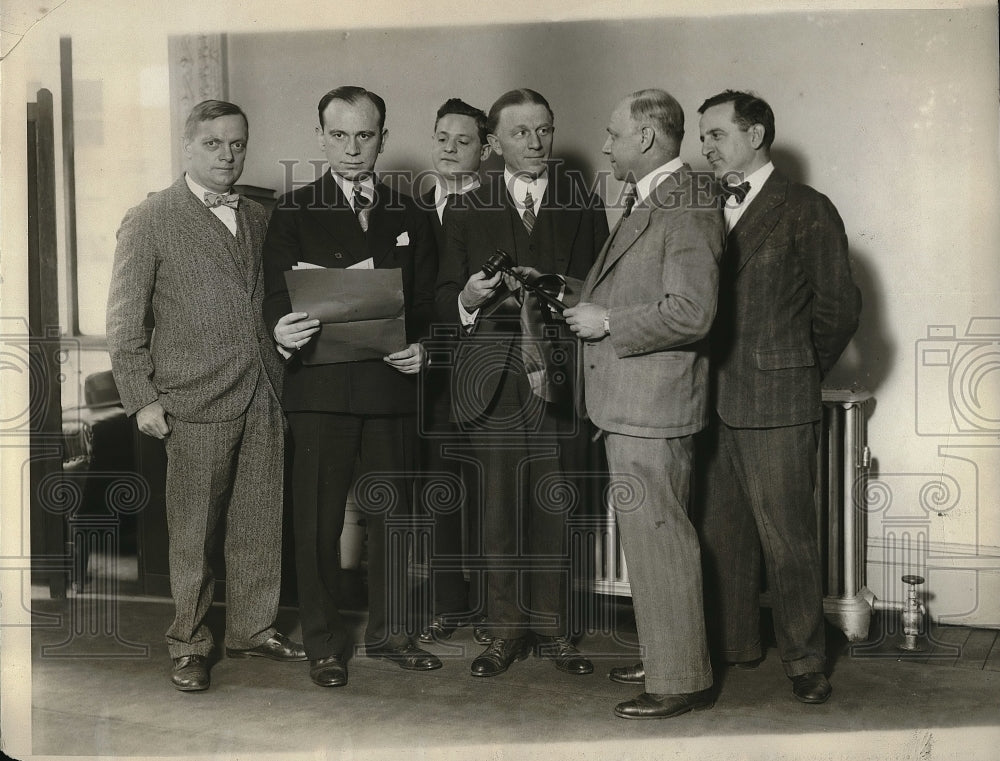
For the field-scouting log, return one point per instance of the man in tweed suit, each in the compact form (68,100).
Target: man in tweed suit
(645,310)
(207,382)
(787,308)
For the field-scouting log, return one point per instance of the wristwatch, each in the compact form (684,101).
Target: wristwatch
(607,323)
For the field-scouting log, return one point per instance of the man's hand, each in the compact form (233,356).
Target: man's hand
(586,320)
(294,330)
(478,290)
(408,361)
(152,421)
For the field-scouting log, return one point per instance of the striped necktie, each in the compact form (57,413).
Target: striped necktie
(528,218)
(362,206)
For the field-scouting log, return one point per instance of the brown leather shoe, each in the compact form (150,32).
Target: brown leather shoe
(747,665)
(408,656)
(480,634)
(440,628)
(277,648)
(190,673)
(564,654)
(652,706)
(811,688)
(628,674)
(328,672)
(498,656)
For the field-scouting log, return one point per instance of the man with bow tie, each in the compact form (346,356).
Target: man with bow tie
(208,383)
(787,309)
(349,413)
(645,311)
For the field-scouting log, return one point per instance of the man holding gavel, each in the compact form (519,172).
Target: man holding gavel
(508,394)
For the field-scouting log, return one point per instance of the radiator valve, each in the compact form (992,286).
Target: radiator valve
(913,614)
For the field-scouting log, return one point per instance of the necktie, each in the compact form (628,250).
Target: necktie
(529,212)
(362,207)
(739,192)
(213,200)
(630,197)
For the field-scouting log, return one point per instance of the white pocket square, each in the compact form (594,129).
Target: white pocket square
(403,239)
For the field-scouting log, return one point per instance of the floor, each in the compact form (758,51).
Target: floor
(100,688)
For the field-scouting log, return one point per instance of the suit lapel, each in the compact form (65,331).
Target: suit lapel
(559,220)
(382,232)
(758,220)
(220,247)
(334,214)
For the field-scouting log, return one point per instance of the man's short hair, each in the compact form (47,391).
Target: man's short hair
(460,107)
(748,109)
(519,97)
(353,95)
(211,109)
(661,108)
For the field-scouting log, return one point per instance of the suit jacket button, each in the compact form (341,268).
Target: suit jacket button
(338,255)
(593,367)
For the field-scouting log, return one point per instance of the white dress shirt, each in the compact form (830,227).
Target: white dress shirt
(441,194)
(347,186)
(733,210)
(225,214)
(645,186)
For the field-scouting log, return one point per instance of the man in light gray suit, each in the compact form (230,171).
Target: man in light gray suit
(207,382)
(645,309)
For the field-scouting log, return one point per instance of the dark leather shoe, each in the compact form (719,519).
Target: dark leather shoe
(190,673)
(328,672)
(408,656)
(811,688)
(277,648)
(652,706)
(438,629)
(498,656)
(480,634)
(628,674)
(747,665)
(564,654)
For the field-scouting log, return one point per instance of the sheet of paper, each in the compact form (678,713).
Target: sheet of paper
(360,312)
(306,266)
(367,264)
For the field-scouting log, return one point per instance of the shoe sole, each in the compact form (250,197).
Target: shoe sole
(189,688)
(702,707)
(238,654)
(390,659)
(619,680)
(812,701)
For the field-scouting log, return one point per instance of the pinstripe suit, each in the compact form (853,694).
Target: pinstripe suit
(212,365)
(646,387)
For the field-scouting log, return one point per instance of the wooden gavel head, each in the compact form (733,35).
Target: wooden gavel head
(501,261)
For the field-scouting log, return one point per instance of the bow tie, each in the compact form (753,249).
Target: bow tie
(212,200)
(739,192)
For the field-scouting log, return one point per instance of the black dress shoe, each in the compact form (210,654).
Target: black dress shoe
(564,654)
(480,634)
(747,665)
(628,674)
(277,648)
(190,673)
(811,688)
(437,630)
(652,706)
(408,656)
(498,656)
(328,672)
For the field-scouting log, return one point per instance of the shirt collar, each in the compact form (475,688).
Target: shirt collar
(440,194)
(347,186)
(645,186)
(197,189)
(518,185)
(756,180)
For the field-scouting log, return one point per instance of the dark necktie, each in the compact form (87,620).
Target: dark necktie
(214,200)
(362,207)
(629,199)
(529,212)
(739,192)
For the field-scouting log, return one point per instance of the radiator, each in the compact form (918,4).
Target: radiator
(843,462)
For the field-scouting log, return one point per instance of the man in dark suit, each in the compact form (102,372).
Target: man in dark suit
(208,383)
(510,388)
(787,309)
(458,147)
(646,308)
(341,412)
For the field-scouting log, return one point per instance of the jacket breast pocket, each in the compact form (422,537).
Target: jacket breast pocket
(783,359)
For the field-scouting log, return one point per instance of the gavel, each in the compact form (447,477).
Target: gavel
(501,261)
